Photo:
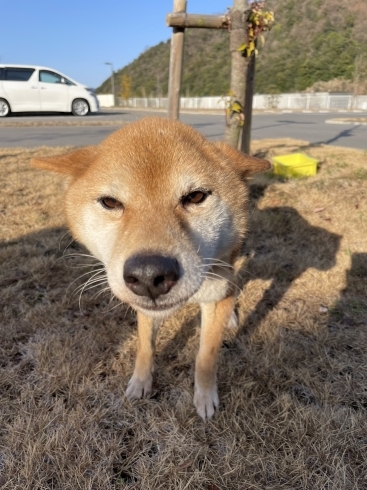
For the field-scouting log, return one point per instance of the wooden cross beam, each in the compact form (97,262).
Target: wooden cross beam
(183,20)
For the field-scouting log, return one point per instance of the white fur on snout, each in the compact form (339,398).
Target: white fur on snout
(212,228)
(98,233)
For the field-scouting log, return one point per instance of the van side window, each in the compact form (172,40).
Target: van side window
(49,77)
(18,74)
(68,82)
(1,73)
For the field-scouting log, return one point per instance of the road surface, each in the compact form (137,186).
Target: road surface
(310,127)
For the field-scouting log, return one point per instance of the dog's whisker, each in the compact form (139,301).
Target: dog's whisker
(198,250)
(217,276)
(98,276)
(69,256)
(218,262)
(85,287)
(76,254)
(128,309)
(209,267)
(80,293)
(91,284)
(118,304)
(61,239)
(96,272)
(82,266)
(213,259)
(67,246)
(112,297)
(101,291)
(95,282)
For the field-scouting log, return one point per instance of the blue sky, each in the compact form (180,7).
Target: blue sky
(76,37)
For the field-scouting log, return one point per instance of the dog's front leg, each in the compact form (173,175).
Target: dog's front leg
(215,317)
(140,384)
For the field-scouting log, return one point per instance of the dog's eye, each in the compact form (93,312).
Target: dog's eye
(195,197)
(110,203)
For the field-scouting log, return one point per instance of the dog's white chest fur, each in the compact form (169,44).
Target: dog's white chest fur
(211,290)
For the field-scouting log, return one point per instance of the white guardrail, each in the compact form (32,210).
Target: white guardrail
(321,101)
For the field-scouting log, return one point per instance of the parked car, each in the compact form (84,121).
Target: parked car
(26,88)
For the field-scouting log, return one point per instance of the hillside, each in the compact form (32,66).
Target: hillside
(206,67)
(313,41)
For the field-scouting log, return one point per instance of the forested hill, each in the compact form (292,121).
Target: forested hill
(312,41)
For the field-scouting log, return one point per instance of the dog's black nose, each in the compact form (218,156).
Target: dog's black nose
(151,275)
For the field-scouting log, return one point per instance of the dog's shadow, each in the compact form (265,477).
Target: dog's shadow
(280,246)
(351,308)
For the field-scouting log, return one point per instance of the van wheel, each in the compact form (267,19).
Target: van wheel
(4,108)
(80,107)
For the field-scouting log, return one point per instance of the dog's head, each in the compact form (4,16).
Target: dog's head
(158,205)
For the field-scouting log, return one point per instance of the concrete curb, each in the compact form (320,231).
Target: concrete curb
(339,121)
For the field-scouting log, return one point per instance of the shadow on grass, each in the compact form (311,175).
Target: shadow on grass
(281,245)
(36,265)
(351,309)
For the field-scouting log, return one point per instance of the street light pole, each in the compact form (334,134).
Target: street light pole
(112,82)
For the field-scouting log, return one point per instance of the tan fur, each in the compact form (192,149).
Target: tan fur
(151,167)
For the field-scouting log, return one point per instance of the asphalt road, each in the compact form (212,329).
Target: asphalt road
(310,127)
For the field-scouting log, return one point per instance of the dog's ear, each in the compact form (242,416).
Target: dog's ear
(243,163)
(72,164)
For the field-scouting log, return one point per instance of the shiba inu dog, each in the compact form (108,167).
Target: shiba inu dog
(165,211)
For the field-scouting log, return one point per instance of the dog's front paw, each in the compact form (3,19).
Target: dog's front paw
(139,388)
(206,401)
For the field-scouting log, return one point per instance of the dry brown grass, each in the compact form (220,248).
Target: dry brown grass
(292,380)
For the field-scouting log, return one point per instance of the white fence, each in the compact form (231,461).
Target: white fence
(105,100)
(315,101)
(306,102)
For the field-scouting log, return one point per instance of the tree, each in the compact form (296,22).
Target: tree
(125,87)
(246,28)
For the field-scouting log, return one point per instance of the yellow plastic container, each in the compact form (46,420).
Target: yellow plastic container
(294,165)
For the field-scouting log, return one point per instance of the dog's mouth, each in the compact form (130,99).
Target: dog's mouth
(154,307)
(163,308)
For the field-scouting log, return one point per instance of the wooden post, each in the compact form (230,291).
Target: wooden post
(238,69)
(176,63)
(249,95)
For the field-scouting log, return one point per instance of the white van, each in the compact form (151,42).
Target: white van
(26,88)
